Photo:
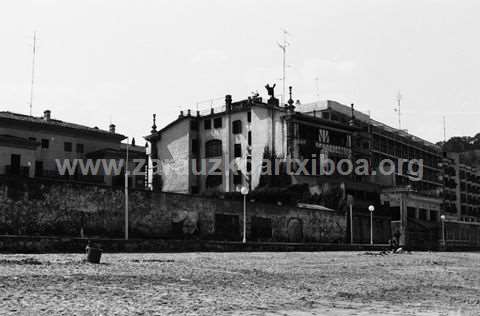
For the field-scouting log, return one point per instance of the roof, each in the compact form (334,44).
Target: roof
(346,110)
(305,117)
(40,121)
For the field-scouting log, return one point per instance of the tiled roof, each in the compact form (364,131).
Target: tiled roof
(54,123)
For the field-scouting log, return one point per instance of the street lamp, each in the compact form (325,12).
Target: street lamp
(244,192)
(443,229)
(371,208)
(126,189)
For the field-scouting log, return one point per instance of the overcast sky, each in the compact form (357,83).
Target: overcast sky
(124,60)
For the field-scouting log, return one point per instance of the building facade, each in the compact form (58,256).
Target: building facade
(461,189)
(226,150)
(30,146)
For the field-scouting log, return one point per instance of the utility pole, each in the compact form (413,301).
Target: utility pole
(283,47)
(398,110)
(33,71)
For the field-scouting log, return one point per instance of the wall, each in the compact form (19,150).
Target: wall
(174,154)
(462,235)
(63,208)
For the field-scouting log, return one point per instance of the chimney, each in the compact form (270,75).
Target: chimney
(198,113)
(112,128)
(181,114)
(46,115)
(228,102)
(189,113)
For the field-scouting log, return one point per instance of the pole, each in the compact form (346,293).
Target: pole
(244,218)
(399,100)
(126,192)
(351,223)
(33,71)
(443,232)
(371,228)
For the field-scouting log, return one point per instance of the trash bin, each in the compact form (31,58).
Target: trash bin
(94,254)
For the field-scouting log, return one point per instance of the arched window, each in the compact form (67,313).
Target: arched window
(213,148)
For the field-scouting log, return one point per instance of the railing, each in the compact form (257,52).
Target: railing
(17,171)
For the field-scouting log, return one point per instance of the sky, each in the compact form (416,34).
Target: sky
(121,61)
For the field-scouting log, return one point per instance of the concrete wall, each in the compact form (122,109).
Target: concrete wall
(56,208)
(174,154)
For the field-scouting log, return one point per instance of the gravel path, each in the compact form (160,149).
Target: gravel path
(323,283)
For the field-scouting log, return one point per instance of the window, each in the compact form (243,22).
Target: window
(250,138)
(249,116)
(213,148)
(45,143)
(15,162)
(433,216)
(237,149)
(67,146)
(33,139)
(422,214)
(411,211)
(237,127)
(80,148)
(195,147)
(207,124)
(38,168)
(194,125)
(214,180)
(237,178)
(217,123)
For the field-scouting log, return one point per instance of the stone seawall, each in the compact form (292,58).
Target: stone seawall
(49,244)
(56,208)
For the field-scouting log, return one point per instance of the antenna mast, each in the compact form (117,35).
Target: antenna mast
(33,71)
(444,129)
(317,88)
(398,110)
(283,47)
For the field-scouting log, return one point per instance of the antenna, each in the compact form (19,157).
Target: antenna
(398,110)
(283,47)
(317,88)
(33,70)
(444,129)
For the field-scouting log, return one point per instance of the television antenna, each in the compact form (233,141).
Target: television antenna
(32,83)
(398,110)
(283,47)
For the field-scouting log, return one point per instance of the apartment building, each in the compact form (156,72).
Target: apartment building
(461,188)
(30,146)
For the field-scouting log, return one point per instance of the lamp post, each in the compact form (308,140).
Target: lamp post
(126,190)
(371,208)
(244,192)
(443,229)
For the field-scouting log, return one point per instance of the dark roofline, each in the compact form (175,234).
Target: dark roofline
(319,120)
